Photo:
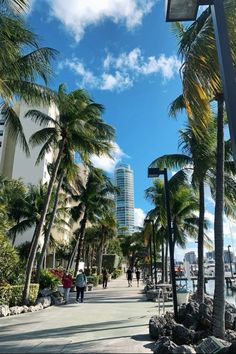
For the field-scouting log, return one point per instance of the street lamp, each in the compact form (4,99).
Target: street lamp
(156,172)
(186,10)
(154,248)
(230,261)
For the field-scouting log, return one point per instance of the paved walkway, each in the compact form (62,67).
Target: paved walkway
(113,320)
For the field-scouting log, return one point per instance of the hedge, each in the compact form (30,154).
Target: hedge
(116,273)
(11,295)
(94,279)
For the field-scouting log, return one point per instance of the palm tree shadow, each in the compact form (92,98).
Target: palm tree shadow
(144,338)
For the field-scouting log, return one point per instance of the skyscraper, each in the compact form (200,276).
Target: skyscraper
(124,180)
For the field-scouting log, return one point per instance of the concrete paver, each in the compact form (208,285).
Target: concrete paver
(112,320)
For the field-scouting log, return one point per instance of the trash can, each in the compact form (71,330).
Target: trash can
(182,296)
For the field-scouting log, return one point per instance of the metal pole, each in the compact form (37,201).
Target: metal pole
(154,250)
(226,67)
(171,243)
(230,262)
(151,256)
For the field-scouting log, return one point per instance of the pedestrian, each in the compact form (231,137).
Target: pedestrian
(80,283)
(137,276)
(67,284)
(129,275)
(104,278)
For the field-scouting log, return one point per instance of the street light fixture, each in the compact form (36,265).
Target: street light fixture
(186,10)
(154,248)
(156,172)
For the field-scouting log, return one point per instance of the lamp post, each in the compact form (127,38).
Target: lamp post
(177,10)
(230,261)
(156,172)
(154,248)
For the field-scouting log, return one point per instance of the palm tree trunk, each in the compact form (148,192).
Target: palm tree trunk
(48,231)
(166,263)
(219,293)
(81,242)
(163,262)
(100,253)
(39,229)
(200,281)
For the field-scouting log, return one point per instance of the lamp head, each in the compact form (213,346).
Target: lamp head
(181,10)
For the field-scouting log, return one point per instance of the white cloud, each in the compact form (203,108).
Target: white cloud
(107,163)
(139,217)
(119,73)
(78,15)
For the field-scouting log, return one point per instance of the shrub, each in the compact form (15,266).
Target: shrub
(48,280)
(11,295)
(116,273)
(8,260)
(93,279)
(58,273)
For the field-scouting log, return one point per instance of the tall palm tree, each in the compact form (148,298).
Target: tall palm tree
(183,203)
(22,63)
(78,127)
(93,199)
(107,230)
(198,50)
(15,6)
(197,158)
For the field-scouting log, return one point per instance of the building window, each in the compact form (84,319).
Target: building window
(1,132)
(0,143)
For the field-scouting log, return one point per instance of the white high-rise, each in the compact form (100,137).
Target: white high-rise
(124,180)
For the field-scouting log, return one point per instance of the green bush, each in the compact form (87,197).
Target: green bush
(93,279)
(11,295)
(48,280)
(116,273)
(8,260)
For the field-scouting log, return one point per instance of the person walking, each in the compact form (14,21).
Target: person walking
(67,284)
(137,275)
(80,283)
(104,278)
(129,275)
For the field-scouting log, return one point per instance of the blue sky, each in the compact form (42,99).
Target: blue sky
(125,54)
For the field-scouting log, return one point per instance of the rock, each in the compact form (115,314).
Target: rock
(164,346)
(156,326)
(38,307)
(211,345)
(16,310)
(45,292)
(205,315)
(208,301)
(25,309)
(4,310)
(182,335)
(57,298)
(230,335)
(229,319)
(45,301)
(31,309)
(192,308)
(184,349)
(230,307)
(199,335)
(190,321)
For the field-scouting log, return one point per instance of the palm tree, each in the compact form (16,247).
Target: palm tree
(107,231)
(78,127)
(197,47)
(183,203)
(93,199)
(15,6)
(22,62)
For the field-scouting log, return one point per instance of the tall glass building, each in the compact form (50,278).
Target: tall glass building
(124,180)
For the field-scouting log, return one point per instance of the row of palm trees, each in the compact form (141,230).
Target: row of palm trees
(78,127)
(204,151)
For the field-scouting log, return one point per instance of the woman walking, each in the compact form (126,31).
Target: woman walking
(80,283)
(67,284)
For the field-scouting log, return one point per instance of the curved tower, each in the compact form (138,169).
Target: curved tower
(124,180)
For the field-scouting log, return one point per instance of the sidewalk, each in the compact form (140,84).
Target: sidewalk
(112,320)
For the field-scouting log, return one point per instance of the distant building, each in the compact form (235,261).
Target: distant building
(210,255)
(191,257)
(124,180)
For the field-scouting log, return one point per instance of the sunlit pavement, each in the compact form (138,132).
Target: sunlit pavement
(112,320)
